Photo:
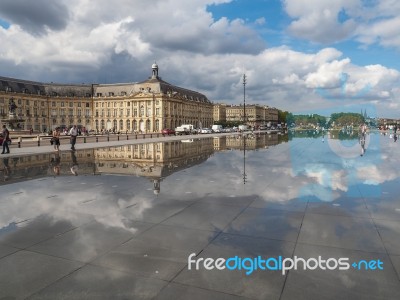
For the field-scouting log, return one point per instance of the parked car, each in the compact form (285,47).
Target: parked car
(206,130)
(168,131)
(1,140)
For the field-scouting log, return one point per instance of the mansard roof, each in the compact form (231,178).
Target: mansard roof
(13,85)
(161,86)
(153,85)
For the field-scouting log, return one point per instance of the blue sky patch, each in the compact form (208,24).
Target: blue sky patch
(4,24)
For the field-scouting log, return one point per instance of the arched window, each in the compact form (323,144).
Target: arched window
(96,122)
(135,125)
(115,124)
(103,124)
(128,124)
(148,125)
(121,125)
(141,111)
(157,125)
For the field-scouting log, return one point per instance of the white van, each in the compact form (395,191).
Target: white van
(216,128)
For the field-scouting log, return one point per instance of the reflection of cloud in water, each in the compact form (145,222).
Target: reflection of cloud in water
(69,204)
(375,175)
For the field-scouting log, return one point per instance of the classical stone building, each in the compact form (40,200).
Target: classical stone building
(256,115)
(219,112)
(147,106)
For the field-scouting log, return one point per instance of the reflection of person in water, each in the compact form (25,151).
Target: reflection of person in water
(74,167)
(362,143)
(7,169)
(55,162)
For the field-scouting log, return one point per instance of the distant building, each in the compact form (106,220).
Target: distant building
(255,114)
(219,112)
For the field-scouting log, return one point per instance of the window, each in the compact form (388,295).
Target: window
(128,125)
(157,125)
(135,112)
(110,94)
(141,111)
(71,104)
(121,125)
(148,125)
(88,104)
(99,94)
(148,113)
(62,104)
(79,104)
(27,102)
(157,111)
(128,112)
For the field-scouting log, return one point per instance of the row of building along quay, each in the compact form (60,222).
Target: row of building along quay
(147,106)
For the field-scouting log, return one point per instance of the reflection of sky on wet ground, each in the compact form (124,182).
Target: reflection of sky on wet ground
(73,236)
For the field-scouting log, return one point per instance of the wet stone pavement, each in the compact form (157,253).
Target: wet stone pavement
(125,225)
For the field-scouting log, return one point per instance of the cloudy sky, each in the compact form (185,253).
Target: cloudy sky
(298,55)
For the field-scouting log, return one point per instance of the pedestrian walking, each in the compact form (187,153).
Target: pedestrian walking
(6,136)
(56,139)
(73,133)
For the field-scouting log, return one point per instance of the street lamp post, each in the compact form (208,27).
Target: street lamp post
(244,99)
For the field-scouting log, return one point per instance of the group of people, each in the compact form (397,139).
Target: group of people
(73,133)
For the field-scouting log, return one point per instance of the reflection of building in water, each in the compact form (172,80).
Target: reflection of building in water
(154,160)
(253,141)
(37,166)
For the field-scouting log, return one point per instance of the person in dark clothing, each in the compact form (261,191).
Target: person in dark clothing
(6,136)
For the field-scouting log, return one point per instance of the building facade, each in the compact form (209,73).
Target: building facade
(254,115)
(147,106)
